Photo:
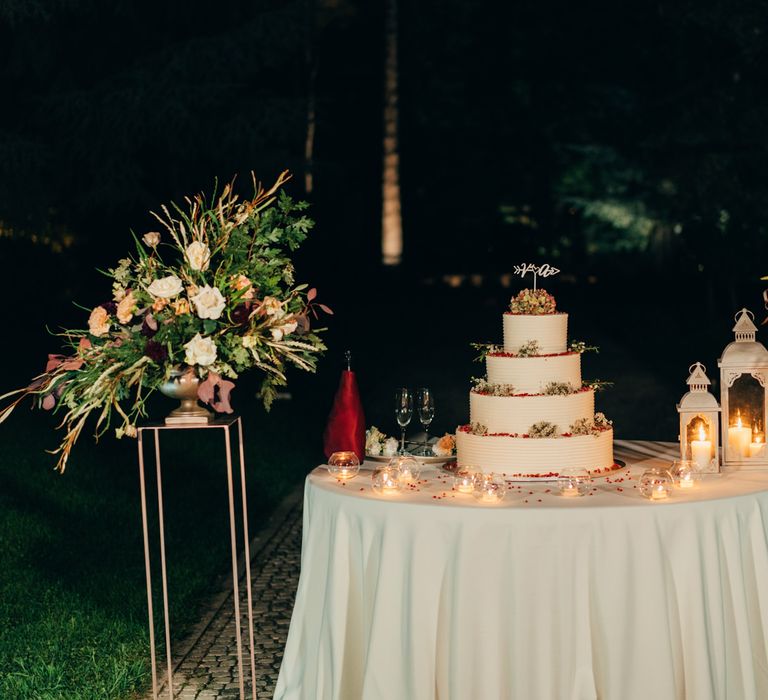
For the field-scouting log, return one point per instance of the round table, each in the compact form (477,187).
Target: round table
(429,594)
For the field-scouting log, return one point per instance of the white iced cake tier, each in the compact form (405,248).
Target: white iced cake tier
(516,414)
(535,457)
(529,375)
(550,331)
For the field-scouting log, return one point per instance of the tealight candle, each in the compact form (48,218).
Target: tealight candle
(408,469)
(489,488)
(756,447)
(464,480)
(386,480)
(573,482)
(685,473)
(656,483)
(343,465)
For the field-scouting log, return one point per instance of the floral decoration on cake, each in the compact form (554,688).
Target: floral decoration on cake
(534,302)
(543,429)
(483,386)
(585,426)
(559,389)
(529,349)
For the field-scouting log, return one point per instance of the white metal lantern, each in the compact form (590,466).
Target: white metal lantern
(743,375)
(699,422)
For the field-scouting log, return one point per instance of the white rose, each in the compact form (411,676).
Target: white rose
(151,239)
(390,447)
(198,255)
(200,351)
(373,447)
(278,332)
(166,287)
(209,302)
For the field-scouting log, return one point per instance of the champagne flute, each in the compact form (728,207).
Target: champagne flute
(403,412)
(425,401)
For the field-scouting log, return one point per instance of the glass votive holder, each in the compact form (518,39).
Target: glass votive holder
(408,467)
(685,473)
(464,480)
(343,465)
(489,487)
(386,480)
(656,484)
(572,483)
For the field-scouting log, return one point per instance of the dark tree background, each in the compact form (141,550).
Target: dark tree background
(624,143)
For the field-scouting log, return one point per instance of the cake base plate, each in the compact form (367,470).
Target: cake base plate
(596,474)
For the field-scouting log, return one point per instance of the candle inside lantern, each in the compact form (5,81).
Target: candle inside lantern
(569,491)
(659,493)
(686,481)
(739,439)
(701,449)
(757,447)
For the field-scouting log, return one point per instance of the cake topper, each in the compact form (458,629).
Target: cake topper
(544,270)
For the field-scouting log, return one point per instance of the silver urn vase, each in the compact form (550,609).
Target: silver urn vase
(182,385)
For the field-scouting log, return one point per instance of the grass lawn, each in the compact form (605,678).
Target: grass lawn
(72,595)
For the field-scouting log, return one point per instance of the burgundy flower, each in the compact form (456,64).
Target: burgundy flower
(110,307)
(155,351)
(240,314)
(149,326)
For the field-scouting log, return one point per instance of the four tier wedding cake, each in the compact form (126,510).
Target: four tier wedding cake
(532,416)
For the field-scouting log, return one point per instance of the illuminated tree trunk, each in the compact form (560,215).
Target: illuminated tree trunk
(391,219)
(309,139)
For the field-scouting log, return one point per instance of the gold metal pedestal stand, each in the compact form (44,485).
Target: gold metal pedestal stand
(225,425)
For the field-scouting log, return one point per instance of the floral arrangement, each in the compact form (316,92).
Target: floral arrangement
(596,384)
(529,349)
(581,347)
(483,386)
(486,349)
(559,389)
(445,446)
(377,443)
(543,429)
(213,295)
(585,426)
(533,302)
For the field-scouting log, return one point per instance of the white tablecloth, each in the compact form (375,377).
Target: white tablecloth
(429,594)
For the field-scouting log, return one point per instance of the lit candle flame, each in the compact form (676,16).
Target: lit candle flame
(738,422)
(702,434)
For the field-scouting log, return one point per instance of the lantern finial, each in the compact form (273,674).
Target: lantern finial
(698,380)
(745,329)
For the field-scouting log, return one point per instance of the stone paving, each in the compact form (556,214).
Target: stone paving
(206,662)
